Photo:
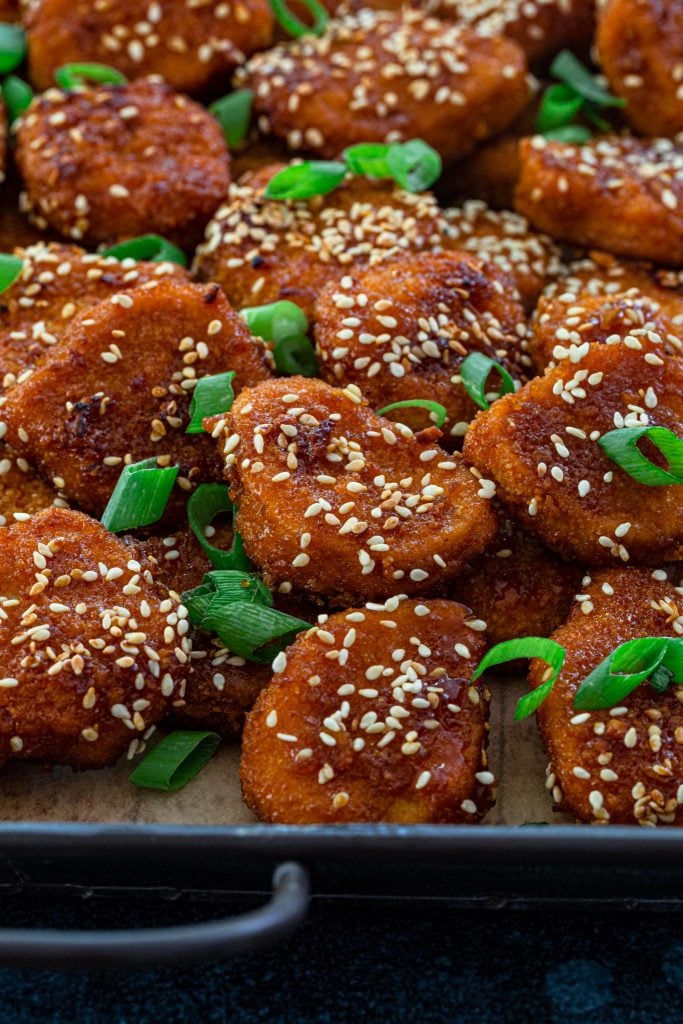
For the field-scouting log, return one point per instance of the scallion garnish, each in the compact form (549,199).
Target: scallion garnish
(211,396)
(176,760)
(233,113)
(17,95)
(12,46)
(140,496)
(152,248)
(414,165)
(437,412)
(475,370)
(307,179)
(10,269)
(579,93)
(80,76)
(559,106)
(368,159)
(527,647)
(576,75)
(293,25)
(205,503)
(621,446)
(571,134)
(285,325)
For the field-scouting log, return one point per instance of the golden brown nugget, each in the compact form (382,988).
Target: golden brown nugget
(400,331)
(371,716)
(336,501)
(92,647)
(193,46)
(117,388)
(122,160)
(622,765)
(261,251)
(382,76)
(640,49)
(540,446)
(620,194)
(57,282)
(22,491)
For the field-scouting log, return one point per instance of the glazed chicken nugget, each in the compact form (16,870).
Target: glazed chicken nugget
(541,448)
(193,46)
(260,250)
(382,76)
(623,765)
(390,729)
(90,656)
(122,160)
(400,331)
(117,388)
(620,194)
(336,501)
(22,491)
(640,49)
(57,282)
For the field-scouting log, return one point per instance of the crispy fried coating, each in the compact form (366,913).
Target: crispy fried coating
(89,655)
(621,765)
(57,282)
(640,48)
(518,586)
(623,195)
(193,46)
(113,162)
(540,447)
(22,491)
(336,501)
(400,331)
(261,251)
(383,76)
(117,388)
(388,730)
(505,239)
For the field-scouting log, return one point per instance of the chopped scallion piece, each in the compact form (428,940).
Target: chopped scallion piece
(153,248)
(621,446)
(654,658)
(475,370)
(572,134)
(211,395)
(436,410)
(413,165)
(12,46)
(307,179)
(293,25)
(140,496)
(80,76)
(369,159)
(10,269)
(17,95)
(527,647)
(176,760)
(559,106)
(206,502)
(285,325)
(576,75)
(233,113)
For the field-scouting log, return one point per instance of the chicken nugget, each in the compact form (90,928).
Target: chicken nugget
(541,448)
(491,173)
(22,491)
(390,729)
(90,655)
(117,388)
(620,194)
(336,501)
(193,46)
(261,250)
(640,48)
(622,765)
(400,331)
(116,161)
(381,76)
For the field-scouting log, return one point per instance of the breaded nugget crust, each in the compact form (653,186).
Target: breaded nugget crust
(621,765)
(619,194)
(388,730)
(383,76)
(118,161)
(22,491)
(540,447)
(90,654)
(400,331)
(117,388)
(191,45)
(261,251)
(337,501)
(640,49)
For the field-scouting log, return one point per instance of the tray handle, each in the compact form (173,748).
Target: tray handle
(49,949)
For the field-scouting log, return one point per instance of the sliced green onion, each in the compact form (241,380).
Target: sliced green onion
(284,324)
(590,112)
(621,446)
(223,586)
(12,46)
(310,178)
(369,159)
(414,165)
(527,647)
(204,505)
(140,496)
(559,106)
(153,248)
(631,664)
(233,113)
(293,25)
(176,760)
(211,396)
(79,76)
(571,134)
(17,95)
(10,269)
(573,73)
(475,370)
(436,409)
(295,356)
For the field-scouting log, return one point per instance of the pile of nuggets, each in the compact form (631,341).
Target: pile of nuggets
(410,549)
